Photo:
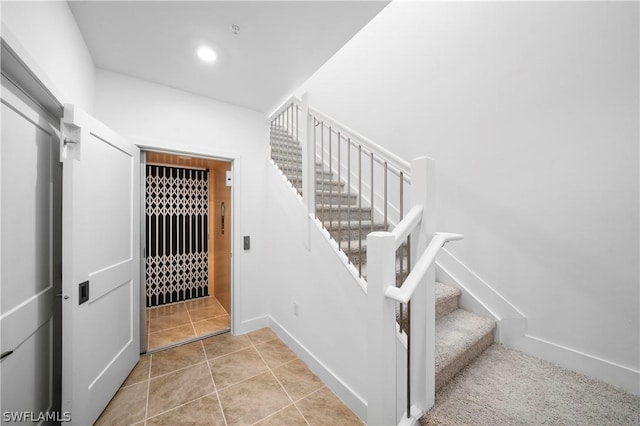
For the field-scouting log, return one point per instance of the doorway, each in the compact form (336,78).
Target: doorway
(187,234)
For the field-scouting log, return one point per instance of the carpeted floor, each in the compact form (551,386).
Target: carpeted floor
(507,387)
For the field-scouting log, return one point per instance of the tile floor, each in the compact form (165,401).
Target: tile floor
(226,380)
(179,322)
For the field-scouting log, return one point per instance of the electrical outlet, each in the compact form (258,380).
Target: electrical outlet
(296,309)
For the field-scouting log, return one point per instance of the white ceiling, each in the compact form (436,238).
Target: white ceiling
(280,44)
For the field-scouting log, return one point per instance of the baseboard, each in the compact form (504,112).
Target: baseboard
(354,401)
(617,375)
(253,324)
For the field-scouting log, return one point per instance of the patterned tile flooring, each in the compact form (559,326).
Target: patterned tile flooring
(226,380)
(179,322)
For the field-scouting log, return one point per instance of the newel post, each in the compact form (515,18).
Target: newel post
(423,192)
(308,157)
(381,330)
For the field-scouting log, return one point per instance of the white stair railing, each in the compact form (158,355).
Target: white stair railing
(286,150)
(400,292)
(350,184)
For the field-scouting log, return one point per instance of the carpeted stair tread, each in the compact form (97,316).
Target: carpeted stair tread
(447,298)
(507,387)
(366,225)
(340,207)
(460,337)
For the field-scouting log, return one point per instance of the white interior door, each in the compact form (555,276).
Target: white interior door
(30,211)
(101,242)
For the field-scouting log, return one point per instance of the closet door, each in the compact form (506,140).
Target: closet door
(177,225)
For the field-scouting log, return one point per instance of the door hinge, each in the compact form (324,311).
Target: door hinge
(70,132)
(229,178)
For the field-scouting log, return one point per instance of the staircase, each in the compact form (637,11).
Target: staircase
(336,208)
(460,335)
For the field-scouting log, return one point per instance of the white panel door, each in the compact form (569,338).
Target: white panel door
(30,222)
(101,242)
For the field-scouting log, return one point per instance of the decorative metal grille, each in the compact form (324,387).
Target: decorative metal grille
(177,219)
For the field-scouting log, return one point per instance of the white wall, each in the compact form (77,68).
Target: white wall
(46,36)
(278,270)
(328,333)
(531,113)
(164,118)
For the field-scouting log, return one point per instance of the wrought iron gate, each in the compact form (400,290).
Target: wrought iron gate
(177,221)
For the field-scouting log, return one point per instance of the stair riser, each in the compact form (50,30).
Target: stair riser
(342,214)
(289,144)
(336,198)
(285,150)
(280,131)
(329,188)
(337,187)
(446,306)
(341,199)
(319,174)
(327,182)
(345,234)
(354,256)
(287,159)
(461,361)
(297,169)
(286,155)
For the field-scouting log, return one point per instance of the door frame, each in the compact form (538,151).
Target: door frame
(210,153)
(45,304)
(22,71)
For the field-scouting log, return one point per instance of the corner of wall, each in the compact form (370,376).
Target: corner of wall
(56,52)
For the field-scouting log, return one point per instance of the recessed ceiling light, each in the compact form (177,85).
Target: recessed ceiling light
(206,54)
